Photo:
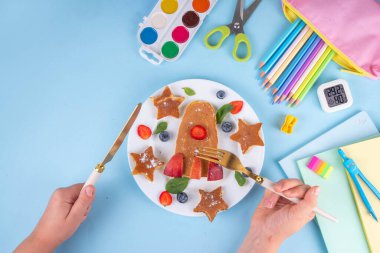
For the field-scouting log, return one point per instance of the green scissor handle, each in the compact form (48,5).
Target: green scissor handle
(240,39)
(224,30)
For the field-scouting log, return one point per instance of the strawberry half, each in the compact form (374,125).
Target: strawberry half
(198,132)
(238,105)
(215,172)
(165,198)
(174,168)
(144,132)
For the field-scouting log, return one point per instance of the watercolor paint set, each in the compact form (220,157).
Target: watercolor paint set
(169,28)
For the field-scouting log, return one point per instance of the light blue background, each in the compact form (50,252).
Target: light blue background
(70,75)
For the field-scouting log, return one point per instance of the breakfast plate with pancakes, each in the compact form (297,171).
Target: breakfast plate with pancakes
(173,124)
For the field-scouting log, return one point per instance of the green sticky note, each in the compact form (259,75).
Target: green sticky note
(327,171)
(336,198)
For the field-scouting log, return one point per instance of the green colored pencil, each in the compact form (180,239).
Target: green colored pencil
(310,75)
(315,76)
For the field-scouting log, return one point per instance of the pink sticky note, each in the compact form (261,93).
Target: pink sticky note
(313,162)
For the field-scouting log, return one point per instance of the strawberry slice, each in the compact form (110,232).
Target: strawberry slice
(174,168)
(238,105)
(144,132)
(196,169)
(198,132)
(215,172)
(165,198)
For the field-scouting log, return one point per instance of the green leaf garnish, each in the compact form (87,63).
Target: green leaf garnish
(189,91)
(240,179)
(162,126)
(177,185)
(222,112)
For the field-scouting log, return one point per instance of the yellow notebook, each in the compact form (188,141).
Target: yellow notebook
(366,155)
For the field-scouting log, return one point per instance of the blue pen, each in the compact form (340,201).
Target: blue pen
(283,38)
(354,171)
(277,55)
(294,63)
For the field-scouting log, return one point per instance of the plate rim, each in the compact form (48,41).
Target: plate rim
(195,80)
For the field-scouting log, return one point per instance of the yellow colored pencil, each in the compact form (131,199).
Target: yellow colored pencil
(288,52)
(307,71)
(315,76)
(310,75)
(290,57)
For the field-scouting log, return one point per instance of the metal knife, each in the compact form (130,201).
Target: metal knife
(93,178)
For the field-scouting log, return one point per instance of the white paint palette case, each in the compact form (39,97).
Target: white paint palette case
(169,28)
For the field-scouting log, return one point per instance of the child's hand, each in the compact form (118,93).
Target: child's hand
(277,218)
(67,209)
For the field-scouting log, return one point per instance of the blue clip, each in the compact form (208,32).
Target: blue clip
(354,170)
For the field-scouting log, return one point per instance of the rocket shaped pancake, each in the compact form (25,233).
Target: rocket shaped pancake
(197,114)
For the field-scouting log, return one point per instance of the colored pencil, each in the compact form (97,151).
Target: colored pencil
(268,66)
(294,63)
(310,75)
(313,48)
(279,43)
(315,77)
(299,65)
(307,71)
(289,55)
(304,66)
(291,77)
(288,51)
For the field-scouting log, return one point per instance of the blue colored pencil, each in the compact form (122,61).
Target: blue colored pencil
(268,66)
(282,39)
(297,68)
(294,63)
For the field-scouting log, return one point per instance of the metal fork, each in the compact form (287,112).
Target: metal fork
(232,162)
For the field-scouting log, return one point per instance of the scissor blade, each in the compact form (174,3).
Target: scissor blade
(119,140)
(239,11)
(248,12)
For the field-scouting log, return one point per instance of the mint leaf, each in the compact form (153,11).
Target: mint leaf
(240,179)
(222,112)
(161,127)
(177,185)
(189,91)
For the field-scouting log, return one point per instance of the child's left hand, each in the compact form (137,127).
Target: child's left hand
(67,209)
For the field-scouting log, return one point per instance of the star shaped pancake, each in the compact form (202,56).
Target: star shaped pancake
(248,135)
(211,203)
(146,163)
(167,104)
(167,93)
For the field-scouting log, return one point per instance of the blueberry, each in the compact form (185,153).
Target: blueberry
(227,126)
(221,94)
(182,197)
(245,175)
(164,136)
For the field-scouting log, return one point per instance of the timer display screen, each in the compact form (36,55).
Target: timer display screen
(335,95)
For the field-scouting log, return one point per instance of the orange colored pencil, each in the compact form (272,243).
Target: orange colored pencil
(276,98)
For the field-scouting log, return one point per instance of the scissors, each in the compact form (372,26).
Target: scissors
(236,26)
(354,171)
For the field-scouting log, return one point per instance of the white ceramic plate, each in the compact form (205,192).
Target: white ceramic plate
(205,90)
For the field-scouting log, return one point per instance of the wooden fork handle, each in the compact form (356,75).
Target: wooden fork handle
(268,184)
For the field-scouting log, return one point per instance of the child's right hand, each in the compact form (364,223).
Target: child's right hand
(276,218)
(67,209)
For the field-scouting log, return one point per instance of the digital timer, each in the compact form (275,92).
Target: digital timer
(335,95)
